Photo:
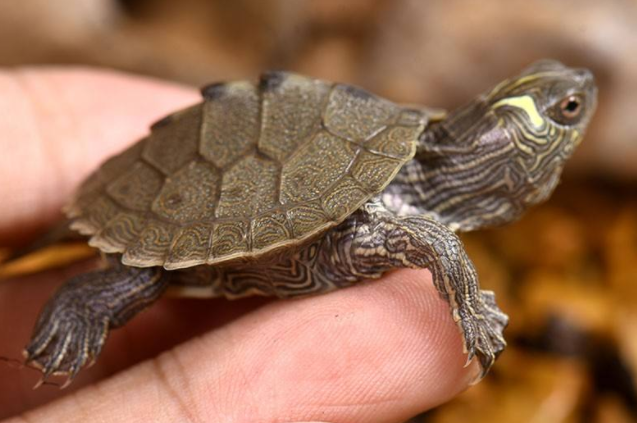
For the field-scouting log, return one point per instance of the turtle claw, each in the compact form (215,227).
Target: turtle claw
(63,343)
(482,328)
(39,383)
(469,360)
(66,383)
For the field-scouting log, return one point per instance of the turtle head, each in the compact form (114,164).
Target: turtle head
(544,113)
(488,161)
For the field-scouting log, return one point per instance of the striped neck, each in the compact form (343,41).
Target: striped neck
(465,173)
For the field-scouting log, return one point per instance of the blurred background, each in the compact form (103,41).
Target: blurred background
(566,273)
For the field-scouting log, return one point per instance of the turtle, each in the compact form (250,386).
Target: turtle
(291,186)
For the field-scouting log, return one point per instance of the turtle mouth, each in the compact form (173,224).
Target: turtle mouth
(541,188)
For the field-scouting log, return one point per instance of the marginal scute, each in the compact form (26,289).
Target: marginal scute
(314,167)
(173,145)
(291,113)
(189,195)
(304,218)
(96,215)
(374,171)
(356,115)
(229,239)
(412,117)
(151,248)
(397,141)
(120,231)
(347,195)
(136,188)
(230,124)
(270,230)
(249,187)
(190,247)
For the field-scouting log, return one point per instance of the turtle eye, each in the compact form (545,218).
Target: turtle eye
(571,106)
(568,110)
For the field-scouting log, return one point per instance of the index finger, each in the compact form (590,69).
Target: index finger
(58,124)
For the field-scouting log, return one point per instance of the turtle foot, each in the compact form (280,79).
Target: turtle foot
(482,327)
(64,341)
(74,324)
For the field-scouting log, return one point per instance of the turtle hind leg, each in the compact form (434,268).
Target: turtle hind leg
(74,324)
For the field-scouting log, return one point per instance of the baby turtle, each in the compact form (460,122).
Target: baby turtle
(296,186)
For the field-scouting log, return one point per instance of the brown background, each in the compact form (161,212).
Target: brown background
(566,273)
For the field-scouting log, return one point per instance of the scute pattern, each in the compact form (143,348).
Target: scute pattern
(291,113)
(305,217)
(230,124)
(394,142)
(270,230)
(91,188)
(373,170)
(230,239)
(249,187)
(250,169)
(189,195)
(151,245)
(137,188)
(121,230)
(336,202)
(95,215)
(191,245)
(174,141)
(417,117)
(357,115)
(314,167)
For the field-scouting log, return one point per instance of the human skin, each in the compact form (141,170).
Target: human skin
(380,351)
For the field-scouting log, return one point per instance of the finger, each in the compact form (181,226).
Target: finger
(58,124)
(378,352)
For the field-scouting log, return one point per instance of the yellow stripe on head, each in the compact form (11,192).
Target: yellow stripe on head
(527,104)
(575,137)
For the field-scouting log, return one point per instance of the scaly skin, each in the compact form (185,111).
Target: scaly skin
(369,243)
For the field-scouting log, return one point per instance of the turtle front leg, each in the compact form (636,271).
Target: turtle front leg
(375,240)
(74,324)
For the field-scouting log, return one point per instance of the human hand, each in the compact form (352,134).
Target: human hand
(377,352)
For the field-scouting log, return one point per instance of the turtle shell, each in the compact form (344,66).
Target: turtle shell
(253,168)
